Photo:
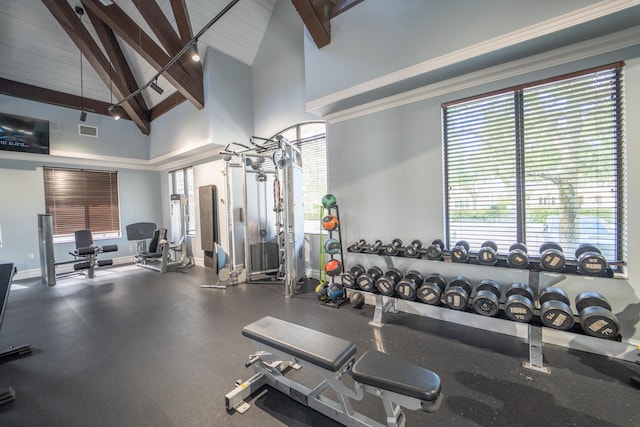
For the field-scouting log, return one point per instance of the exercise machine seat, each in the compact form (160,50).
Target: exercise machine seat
(390,373)
(155,248)
(83,239)
(317,348)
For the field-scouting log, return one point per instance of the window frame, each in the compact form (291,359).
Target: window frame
(521,168)
(191,218)
(311,225)
(86,207)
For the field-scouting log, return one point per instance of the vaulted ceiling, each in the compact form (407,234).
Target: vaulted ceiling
(92,54)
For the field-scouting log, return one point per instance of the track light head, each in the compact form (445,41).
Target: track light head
(154,86)
(83,116)
(113,110)
(193,52)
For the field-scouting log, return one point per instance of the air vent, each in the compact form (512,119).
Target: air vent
(85,130)
(54,126)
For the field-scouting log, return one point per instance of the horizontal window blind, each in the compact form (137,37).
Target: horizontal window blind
(540,162)
(80,199)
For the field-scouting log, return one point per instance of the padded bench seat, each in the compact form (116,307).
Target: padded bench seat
(398,376)
(325,351)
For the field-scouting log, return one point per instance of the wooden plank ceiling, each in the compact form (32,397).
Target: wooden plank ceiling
(90,54)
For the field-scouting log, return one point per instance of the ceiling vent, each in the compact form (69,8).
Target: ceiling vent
(85,130)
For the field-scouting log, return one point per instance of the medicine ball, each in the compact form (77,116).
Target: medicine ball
(333,267)
(332,246)
(330,222)
(321,291)
(329,201)
(357,300)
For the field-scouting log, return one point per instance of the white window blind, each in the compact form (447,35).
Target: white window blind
(539,162)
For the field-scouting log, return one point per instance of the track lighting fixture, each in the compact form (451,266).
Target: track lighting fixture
(154,85)
(83,116)
(113,110)
(193,52)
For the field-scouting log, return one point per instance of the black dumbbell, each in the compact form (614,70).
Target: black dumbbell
(372,249)
(416,276)
(590,260)
(551,257)
(555,311)
(518,257)
(406,288)
(519,304)
(460,251)
(394,247)
(434,251)
(367,281)
(487,299)
(488,253)
(429,292)
(349,277)
(457,294)
(413,250)
(596,317)
(359,246)
(386,284)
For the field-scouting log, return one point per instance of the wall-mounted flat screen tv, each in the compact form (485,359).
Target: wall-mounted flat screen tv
(24,134)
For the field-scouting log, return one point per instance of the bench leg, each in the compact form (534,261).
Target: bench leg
(395,416)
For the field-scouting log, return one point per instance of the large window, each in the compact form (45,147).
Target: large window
(539,162)
(181,182)
(79,199)
(310,138)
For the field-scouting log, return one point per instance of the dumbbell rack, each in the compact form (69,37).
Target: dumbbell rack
(532,331)
(333,234)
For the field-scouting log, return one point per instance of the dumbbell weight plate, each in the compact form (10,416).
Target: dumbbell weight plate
(432,288)
(487,299)
(557,315)
(519,308)
(406,289)
(349,280)
(584,248)
(386,285)
(553,294)
(460,252)
(599,322)
(520,289)
(416,276)
(518,257)
(394,273)
(372,249)
(591,299)
(487,255)
(434,251)
(413,250)
(394,247)
(551,257)
(366,282)
(457,294)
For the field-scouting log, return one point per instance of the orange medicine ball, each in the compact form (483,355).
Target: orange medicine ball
(333,267)
(330,222)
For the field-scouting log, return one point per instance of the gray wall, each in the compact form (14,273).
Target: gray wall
(374,39)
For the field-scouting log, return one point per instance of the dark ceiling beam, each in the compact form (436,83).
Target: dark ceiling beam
(341,6)
(167,104)
(53,97)
(192,88)
(79,34)
(121,68)
(315,19)
(162,28)
(183,22)
(317,15)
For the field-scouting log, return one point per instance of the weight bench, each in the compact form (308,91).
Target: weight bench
(283,346)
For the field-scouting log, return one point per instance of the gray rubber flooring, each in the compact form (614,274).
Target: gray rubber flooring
(133,347)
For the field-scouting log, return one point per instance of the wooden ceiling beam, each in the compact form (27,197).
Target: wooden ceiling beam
(166,105)
(118,60)
(79,34)
(341,6)
(169,39)
(315,19)
(192,88)
(53,97)
(183,22)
